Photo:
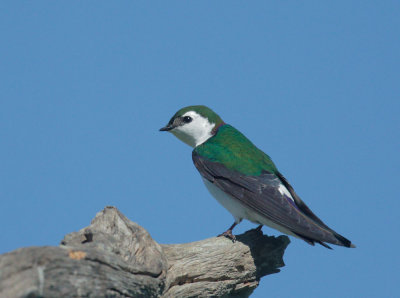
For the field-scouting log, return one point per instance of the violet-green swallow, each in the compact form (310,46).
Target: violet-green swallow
(244,179)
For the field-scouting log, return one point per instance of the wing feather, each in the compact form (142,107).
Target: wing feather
(261,194)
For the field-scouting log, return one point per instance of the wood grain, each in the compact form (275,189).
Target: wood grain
(115,257)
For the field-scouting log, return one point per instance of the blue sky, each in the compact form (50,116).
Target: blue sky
(85,86)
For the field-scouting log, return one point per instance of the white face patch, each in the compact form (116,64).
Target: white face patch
(195,132)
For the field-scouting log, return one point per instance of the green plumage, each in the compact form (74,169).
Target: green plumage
(228,161)
(231,148)
(204,111)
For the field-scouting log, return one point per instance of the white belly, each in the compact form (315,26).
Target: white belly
(240,211)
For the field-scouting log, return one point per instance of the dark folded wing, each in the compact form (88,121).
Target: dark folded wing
(261,194)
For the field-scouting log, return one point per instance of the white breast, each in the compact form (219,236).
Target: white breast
(232,205)
(240,211)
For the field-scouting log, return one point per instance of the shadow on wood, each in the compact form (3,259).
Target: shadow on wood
(115,257)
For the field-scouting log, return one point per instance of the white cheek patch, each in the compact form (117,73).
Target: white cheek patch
(195,132)
(183,136)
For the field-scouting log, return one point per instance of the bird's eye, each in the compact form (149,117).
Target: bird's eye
(187,119)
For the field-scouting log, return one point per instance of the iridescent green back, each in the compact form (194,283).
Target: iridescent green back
(231,148)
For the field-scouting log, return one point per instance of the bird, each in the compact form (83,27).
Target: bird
(245,180)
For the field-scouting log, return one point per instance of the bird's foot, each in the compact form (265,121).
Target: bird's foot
(259,229)
(228,234)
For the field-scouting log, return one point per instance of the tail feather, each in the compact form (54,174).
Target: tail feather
(345,242)
(341,241)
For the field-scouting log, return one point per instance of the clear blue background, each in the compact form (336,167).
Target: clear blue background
(85,86)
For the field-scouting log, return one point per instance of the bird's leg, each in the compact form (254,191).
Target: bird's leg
(258,229)
(228,233)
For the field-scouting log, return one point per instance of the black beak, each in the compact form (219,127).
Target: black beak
(167,128)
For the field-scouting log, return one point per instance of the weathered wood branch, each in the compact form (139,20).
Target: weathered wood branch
(115,257)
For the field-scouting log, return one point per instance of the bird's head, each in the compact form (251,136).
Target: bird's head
(194,125)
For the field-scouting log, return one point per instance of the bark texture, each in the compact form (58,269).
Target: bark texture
(115,257)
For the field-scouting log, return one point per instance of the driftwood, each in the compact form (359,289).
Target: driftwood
(115,257)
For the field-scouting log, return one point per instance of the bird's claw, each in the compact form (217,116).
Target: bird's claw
(228,234)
